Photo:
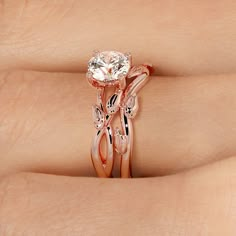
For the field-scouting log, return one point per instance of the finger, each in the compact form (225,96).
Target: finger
(199,202)
(46,123)
(180,39)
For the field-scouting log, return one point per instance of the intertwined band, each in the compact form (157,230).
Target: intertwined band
(124,102)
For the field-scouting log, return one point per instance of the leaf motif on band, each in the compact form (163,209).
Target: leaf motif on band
(120,142)
(113,103)
(135,71)
(131,106)
(98,117)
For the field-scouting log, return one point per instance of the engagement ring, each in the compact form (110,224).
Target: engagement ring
(113,70)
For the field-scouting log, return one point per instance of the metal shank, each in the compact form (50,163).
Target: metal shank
(123,101)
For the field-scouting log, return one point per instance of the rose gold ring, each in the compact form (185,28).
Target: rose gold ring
(113,70)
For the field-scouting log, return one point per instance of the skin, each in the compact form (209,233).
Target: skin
(47,126)
(184,134)
(187,38)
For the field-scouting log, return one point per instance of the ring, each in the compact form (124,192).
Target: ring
(106,71)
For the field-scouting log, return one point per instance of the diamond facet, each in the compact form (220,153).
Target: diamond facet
(109,66)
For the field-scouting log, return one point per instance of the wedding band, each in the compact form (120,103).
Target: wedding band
(111,69)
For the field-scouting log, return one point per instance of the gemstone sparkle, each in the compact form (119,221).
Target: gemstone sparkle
(109,66)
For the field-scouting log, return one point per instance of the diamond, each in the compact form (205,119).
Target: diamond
(109,66)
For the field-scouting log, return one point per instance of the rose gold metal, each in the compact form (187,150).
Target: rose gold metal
(124,101)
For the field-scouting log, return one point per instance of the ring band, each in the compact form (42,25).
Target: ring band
(110,69)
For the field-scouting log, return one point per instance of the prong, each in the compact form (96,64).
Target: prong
(128,55)
(89,75)
(95,53)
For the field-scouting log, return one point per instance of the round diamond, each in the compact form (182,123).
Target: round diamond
(109,66)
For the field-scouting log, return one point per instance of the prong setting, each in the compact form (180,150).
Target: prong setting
(95,53)
(109,68)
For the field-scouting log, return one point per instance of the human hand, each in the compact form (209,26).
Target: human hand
(45,118)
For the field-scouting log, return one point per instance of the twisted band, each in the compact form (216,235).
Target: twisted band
(124,102)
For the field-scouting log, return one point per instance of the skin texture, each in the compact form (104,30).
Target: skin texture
(184,134)
(181,38)
(200,202)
